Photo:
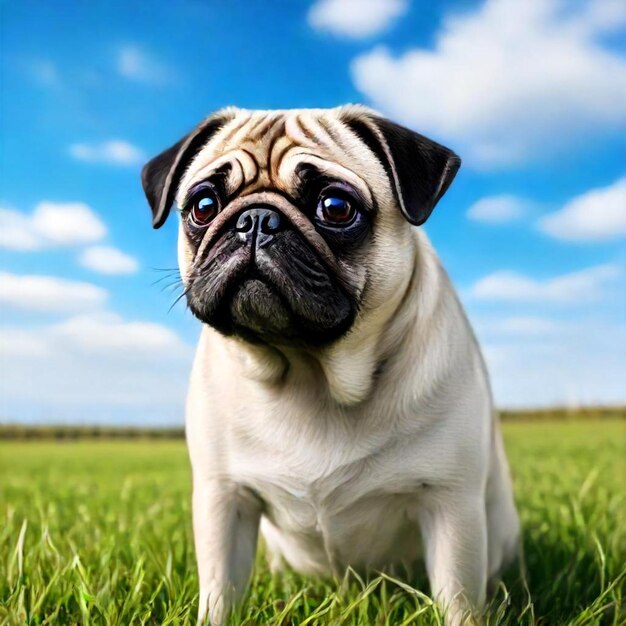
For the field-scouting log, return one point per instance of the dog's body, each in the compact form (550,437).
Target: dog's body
(338,399)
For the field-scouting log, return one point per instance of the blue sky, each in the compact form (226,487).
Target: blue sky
(531,94)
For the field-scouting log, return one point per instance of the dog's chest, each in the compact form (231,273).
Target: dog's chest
(360,513)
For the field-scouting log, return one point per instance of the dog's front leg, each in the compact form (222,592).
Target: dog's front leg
(454,531)
(225,524)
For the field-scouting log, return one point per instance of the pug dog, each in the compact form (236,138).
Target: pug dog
(338,399)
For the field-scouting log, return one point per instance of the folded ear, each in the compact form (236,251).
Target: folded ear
(420,170)
(161,175)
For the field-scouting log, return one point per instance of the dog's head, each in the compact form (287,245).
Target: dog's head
(293,222)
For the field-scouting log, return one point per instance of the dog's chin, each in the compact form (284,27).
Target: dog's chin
(257,312)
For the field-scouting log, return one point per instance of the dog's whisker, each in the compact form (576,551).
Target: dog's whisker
(179,298)
(173,285)
(163,278)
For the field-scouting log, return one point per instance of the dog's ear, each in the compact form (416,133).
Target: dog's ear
(161,175)
(420,170)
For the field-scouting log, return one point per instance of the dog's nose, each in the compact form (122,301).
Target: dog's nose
(258,225)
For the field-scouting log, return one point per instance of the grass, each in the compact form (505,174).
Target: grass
(97,532)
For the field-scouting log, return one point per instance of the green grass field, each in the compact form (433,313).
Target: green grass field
(99,533)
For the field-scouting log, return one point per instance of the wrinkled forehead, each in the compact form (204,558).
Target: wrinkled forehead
(266,150)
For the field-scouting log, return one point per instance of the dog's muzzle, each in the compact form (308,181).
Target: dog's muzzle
(265,274)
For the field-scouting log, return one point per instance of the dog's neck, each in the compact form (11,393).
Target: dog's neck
(348,369)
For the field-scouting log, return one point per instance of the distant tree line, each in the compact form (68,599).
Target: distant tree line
(70,432)
(564,413)
(67,432)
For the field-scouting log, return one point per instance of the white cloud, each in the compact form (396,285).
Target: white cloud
(17,231)
(135,64)
(606,15)
(562,364)
(21,342)
(597,215)
(51,224)
(508,82)
(578,287)
(48,293)
(518,326)
(67,223)
(94,368)
(108,260)
(107,333)
(355,18)
(112,152)
(497,209)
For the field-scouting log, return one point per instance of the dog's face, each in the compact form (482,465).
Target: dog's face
(295,222)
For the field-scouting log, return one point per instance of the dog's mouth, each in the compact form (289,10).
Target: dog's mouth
(279,293)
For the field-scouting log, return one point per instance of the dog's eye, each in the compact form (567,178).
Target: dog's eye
(204,207)
(335,210)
